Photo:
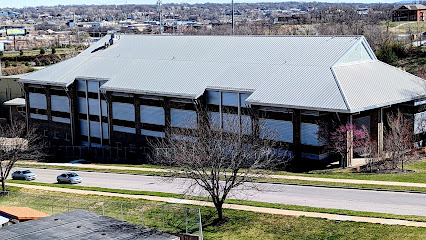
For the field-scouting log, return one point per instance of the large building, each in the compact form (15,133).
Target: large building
(128,88)
(410,12)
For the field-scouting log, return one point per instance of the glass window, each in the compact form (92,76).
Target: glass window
(230,99)
(183,118)
(152,115)
(213,97)
(276,130)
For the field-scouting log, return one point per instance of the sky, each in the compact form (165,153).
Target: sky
(34,3)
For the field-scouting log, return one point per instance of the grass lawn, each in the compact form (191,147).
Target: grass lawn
(419,176)
(250,225)
(405,27)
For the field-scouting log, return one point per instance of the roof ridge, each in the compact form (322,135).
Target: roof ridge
(257,36)
(340,88)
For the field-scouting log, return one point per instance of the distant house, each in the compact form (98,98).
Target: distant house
(363,11)
(411,12)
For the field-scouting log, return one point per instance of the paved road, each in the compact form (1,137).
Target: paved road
(358,200)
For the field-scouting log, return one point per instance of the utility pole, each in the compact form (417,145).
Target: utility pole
(160,10)
(232,16)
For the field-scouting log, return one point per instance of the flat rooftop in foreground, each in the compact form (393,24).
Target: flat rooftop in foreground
(22,213)
(80,224)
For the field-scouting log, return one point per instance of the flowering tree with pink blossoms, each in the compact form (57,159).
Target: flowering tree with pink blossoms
(339,140)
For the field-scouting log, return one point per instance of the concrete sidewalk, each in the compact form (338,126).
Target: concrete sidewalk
(328,216)
(285,177)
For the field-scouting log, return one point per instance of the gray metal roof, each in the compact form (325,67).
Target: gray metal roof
(412,7)
(290,71)
(80,224)
(15,102)
(374,84)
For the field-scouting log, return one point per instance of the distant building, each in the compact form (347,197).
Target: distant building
(410,12)
(14,14)
(9,89)
(135,90)
(363,11)
(71,23)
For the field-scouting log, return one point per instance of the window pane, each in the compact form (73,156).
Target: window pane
(152,115)
(276,130)
(38,100)
(183,118)
(123,111)
(230,99)
(213,97)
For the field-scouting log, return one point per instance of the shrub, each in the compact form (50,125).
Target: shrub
(47,62)
(37,62)
(7,64)
(42,51)
(53,51)
(391,52)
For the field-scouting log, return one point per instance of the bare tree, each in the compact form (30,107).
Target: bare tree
(218,156)
(399,138)
(16,143)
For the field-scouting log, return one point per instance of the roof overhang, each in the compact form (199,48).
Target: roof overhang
(20,102)
(298,107)
(104,89)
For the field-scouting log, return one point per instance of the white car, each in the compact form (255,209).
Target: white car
(24,174)
(69,177)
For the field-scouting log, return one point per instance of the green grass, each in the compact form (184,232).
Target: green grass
(245,225)
(406,27)
(232,201)
(148,213)
(416,177)
(345,185)
(253,226)
(71,168)
(133,165)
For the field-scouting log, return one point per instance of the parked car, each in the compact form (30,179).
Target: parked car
(69,177)
(24,174)
(82,161)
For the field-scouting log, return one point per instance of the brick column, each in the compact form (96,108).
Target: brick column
(297,139)
(376,128)
(255,121)
(73,114)
(110,121)
(27,105)
(49,104)
(137,105)
(349,145)
(167,116)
